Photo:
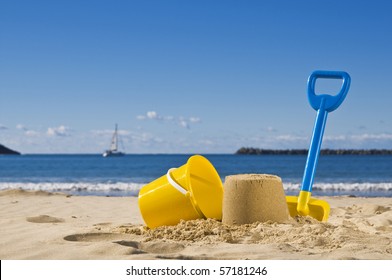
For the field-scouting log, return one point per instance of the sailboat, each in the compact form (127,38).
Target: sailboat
(113,151)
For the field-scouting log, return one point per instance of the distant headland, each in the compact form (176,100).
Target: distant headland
(6,151)
(257,151)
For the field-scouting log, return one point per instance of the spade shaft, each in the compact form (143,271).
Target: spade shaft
(314,150)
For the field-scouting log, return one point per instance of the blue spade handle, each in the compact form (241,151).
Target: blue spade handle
(323,104)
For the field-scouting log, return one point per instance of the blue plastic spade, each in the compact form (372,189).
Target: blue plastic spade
(303,204)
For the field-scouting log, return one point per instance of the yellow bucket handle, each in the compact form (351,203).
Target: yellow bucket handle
(183,191)
(174,183)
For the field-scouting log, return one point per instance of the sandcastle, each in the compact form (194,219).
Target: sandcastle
(250,198)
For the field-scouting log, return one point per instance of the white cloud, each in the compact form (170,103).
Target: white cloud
(101,132)
(107,132)
(271,129)
(152,115)
(366,140)
(291,138)
(181,121)
(365,137)
(194,119)
(145,138)
(129,138)
(334,138)
(27,131)
(31,133)
(206,142)
(184,124)
(123,132)
(61,131)
(21,127)
(361,141)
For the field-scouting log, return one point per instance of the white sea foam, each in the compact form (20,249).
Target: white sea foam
(344,187)
(131,188)
(80,187)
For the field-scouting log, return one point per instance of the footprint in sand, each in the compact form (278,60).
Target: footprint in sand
(371,209)
(102,224)
(92,237)
(44,219)
(134,247)
(158,247)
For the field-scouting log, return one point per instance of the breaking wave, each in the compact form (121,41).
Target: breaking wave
(132,188)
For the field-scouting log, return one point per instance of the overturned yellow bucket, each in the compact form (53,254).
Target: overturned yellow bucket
(192,191)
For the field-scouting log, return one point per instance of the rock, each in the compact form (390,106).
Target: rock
(6,151)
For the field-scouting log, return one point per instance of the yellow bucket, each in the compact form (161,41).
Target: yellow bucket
(192,191)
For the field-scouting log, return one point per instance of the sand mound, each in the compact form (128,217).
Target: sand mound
(302,234)
(301,230)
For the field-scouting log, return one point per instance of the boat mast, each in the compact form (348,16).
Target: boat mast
(114,145)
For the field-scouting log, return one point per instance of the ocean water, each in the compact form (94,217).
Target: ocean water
(124,176)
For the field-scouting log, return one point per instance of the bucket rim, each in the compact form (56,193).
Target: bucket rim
(199,200)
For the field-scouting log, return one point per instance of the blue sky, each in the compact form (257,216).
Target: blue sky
(190,76)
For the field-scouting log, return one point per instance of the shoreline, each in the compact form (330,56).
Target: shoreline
(41,225)
(131,189)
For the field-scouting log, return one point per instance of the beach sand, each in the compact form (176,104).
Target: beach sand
(40,225)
